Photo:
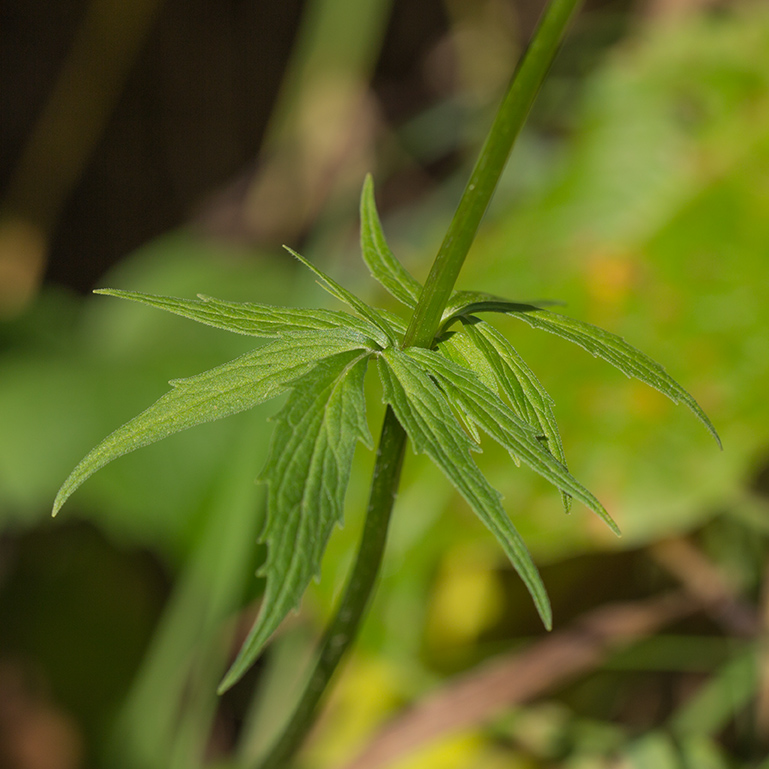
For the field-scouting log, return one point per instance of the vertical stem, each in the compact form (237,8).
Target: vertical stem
(483,180)
(343,628)
(423,327)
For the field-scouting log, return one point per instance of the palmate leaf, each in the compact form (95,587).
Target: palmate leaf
(520,385)
(601,343)
(421,407)
(372,315)
(496,419)
(260,320)
(228,389)
(307,473)
(382,264)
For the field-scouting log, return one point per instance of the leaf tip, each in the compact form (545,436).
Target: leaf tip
(58,502)
(229,680)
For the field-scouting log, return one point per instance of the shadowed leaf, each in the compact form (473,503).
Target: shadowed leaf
(424,412)
(307,473)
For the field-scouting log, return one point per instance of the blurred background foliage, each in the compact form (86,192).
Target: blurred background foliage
(137,153)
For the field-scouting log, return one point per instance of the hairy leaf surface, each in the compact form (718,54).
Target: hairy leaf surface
(496,419)
(228,389)
(260,320)
(424,412)
(380,260)
(307,473)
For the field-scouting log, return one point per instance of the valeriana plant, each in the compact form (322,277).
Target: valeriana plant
(447,377)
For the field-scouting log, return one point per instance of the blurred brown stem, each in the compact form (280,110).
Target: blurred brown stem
(511,679)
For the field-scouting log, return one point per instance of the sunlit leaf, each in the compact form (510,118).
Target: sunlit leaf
(307,473)
(422,409)
(461,350)
(601,343)
(520,385)
(260,320)
(228,389)
(615,350)
(380,260)
(496,419)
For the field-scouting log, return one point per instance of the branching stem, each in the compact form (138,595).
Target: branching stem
(421,331)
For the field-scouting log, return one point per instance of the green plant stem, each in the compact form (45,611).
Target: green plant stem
(421,331)
(343,628)
(483,180)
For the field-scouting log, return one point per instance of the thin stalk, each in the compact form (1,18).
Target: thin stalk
(421,331)
(343,628)
(483,181)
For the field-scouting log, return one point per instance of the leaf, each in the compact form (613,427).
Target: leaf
(228,389)
(465,303)
(615,350)
(343,295)
(307,473)
(496,419)
(260,320)
(458,348)
(423,411)
(521,386)
(381,262)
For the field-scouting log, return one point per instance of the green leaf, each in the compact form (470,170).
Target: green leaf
(615,350)
(307,473)
(343,295)
(496,419)
(381,262)
(722,697)
(424,412)
(601,343)
(458,348)
(520,385)
(228,389)
(465,303)
(260,320)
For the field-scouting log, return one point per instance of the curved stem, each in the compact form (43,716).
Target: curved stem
(341,632)
(423,327)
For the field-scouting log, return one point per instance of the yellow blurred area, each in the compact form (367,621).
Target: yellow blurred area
(468,596)
(367,692)
(458,752)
